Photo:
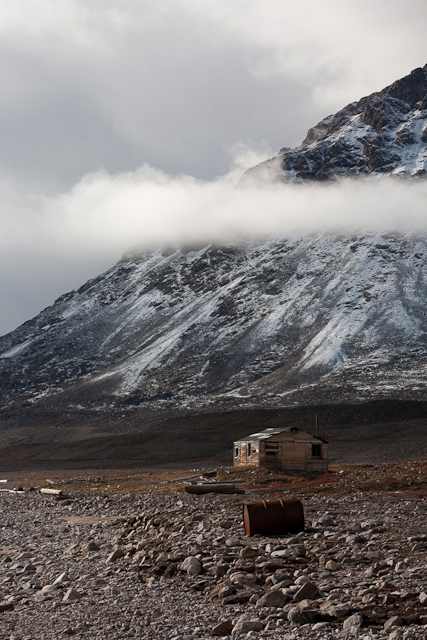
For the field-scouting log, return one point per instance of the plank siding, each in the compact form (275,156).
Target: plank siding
(294,449)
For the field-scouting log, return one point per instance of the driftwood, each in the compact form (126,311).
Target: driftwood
(212,487)
(207,474)
(52,492)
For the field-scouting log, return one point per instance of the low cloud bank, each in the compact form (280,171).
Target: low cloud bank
(105,213)
(51,244)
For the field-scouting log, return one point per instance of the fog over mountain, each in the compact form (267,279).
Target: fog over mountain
(312,315)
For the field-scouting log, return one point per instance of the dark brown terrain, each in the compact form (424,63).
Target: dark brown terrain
(373,432)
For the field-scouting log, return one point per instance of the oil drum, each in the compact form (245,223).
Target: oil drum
(273,517)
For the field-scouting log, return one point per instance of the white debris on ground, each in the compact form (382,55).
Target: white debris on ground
(169,566)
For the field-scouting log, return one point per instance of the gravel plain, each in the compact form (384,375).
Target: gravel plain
(167,565)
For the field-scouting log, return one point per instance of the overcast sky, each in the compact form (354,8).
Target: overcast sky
(93,90)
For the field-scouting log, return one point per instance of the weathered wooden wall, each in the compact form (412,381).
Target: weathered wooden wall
(294,453)
(247,461)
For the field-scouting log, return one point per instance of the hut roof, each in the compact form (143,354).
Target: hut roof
(272,431)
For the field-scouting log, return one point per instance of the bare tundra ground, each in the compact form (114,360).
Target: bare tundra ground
(149,561)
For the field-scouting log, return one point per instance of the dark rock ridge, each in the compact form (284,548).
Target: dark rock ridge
(384,133)
(323,318)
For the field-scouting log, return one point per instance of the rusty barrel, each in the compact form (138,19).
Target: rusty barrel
(273,517)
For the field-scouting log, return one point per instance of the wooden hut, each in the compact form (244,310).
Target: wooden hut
(289,448)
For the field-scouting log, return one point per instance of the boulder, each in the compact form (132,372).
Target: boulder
(115,555)
(394,621)
(355,621)
(192,566)
(272,599)
(308,591)
(223,628)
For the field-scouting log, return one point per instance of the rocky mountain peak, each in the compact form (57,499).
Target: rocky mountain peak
(384,133)
(410,89)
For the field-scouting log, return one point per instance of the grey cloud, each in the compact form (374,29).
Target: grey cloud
(54,243)
(175,84)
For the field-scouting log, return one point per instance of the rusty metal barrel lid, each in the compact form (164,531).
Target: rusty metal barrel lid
(273,517)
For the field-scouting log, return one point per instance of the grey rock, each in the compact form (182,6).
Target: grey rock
(61,578)
(308,591)
(295,616)
(400,566)
(115,555)
(192,566)
(249,552)
(337,611)
(394,621)
(272,599)
(244,626)
(72,595)
(223,628)
(355,621)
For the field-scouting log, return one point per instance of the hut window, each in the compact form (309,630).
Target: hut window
(271,449)
(236,452)
(249,450)
(316,450)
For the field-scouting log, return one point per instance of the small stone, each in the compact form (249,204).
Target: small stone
(295,616)
(244,626)
(115,555)
(192,566)
(355,621)
(62,578)
(238,598)
(162,559)
(232,542)
(29,568)
(224,628)
(307,592)
(338,611)
(218,570)
(249,552)
(91,546)
(72,595)
(423,597)
(272,599)
(243,578)
(394,621)
(282,585)
(331,565)
(400,567)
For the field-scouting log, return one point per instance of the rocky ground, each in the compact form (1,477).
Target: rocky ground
(157,563)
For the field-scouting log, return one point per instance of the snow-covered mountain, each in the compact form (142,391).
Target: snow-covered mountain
(385,133)
(311,319)
(272,322)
